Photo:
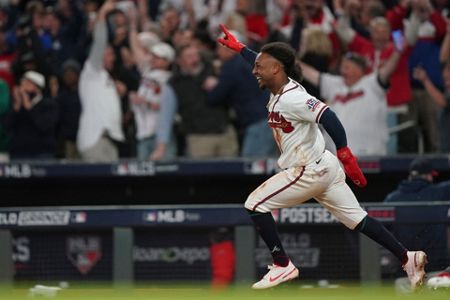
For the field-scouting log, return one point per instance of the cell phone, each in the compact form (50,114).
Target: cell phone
(398,38)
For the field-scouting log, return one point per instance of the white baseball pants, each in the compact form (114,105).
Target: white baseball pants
(323,180)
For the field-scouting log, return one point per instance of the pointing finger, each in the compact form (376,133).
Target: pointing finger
(224,29)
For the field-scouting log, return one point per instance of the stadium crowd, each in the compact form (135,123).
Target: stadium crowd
(103,80)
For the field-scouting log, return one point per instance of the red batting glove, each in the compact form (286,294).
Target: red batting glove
(351,167)
(229,40)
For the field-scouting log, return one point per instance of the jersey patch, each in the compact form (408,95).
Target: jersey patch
(276,120)
(312,104)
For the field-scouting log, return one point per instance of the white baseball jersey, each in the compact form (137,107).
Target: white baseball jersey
(101,107)
(309,171)
(150,88)
(362,109)
(293,116)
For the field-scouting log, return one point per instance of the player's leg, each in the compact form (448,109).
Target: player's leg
(285,189)
(342,203)
(413,262)
(282,268)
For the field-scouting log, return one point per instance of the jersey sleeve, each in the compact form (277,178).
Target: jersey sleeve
(328,85)
(308,108)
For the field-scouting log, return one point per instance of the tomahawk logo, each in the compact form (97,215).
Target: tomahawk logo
(84,252)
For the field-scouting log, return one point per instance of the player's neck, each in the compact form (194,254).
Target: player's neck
(279,86)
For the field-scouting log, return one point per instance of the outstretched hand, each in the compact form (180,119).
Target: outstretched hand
(229,40)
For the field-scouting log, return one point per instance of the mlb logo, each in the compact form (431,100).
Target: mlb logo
(122,169)
(258,167)
(84,252)
(80,217)
(151,217)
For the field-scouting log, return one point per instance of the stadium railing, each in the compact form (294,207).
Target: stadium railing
(165,243)
(215,181)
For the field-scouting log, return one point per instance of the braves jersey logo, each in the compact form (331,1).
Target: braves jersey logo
(348,97)
(276,120)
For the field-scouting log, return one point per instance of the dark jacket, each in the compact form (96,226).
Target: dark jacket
(33,131)
(198,117)
(419,190)
(238,87)
(69,114)
(429,237)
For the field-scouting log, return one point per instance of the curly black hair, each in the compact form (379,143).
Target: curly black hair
(285,54)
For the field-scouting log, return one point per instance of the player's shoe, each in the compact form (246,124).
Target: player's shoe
(276,275)
(415,268)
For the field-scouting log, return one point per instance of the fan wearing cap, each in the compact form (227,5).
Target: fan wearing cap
(154,118)
(420,185)
(359,100)
(33,119)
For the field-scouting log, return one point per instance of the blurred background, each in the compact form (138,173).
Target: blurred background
(129,138)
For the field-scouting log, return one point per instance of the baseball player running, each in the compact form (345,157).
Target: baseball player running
(308,170)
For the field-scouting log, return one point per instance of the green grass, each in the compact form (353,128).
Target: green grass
(185,292)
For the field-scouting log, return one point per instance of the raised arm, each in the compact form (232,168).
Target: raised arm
(396,14)
(142,10)
(100,38)
(135,45)
(310,74)
(230,41)
(343,27)
(389,67)
(412,28)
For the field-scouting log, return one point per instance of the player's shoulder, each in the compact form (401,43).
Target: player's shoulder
(298,94)
(293,90)
(301,100)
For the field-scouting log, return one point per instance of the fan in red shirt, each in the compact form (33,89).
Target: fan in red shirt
(378,49)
